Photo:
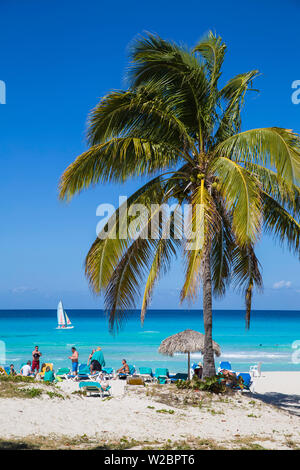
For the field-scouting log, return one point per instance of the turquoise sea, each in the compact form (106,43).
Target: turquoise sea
(269,340)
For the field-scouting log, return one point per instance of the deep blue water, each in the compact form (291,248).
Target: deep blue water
(269,340)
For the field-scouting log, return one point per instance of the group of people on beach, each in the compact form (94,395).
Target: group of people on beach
(96,360)
(96,363)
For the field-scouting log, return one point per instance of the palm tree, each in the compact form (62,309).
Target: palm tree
(176,126)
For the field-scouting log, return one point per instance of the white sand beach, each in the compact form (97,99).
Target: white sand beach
(271,416)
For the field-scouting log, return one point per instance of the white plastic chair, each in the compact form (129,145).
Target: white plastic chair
(255,370)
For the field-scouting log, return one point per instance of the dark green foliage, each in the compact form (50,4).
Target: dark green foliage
(209,384)
(215,384)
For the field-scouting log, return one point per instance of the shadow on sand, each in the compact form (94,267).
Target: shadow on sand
(13,445)
(290,403)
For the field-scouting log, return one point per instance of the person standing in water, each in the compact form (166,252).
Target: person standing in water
(74,358)
(36,354)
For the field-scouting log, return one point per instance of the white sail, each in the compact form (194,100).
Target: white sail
(68,320)
(60,314)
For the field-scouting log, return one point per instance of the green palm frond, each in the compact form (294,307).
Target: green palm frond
(145,112)
(281,224)
(212,49)
(273,146)
(155,59)
(246,274)
(285,194)
(143,255)
(110,246)
(234,95)
(164,252)
(116,160)
(241,195)
(125,282)
(237,86)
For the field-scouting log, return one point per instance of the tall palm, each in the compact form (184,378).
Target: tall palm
(176,126)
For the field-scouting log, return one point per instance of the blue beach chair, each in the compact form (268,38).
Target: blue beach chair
(94,387)
(224,365)
(146,373)
(161,375)
(83,372)
(107,372)
(132,371)
(247,382)
(63,372)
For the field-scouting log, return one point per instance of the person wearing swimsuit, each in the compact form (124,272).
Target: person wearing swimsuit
(74,358)
(36,354)
(124,370)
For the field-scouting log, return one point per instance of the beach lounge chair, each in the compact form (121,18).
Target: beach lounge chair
(94,387)
(161,376)
(255,370)
(146,373)
(248,384)
(132,371)
(43,369)
(47,364)
(3,371)
(224,365)
(84,372)
(108,373)
(63,373)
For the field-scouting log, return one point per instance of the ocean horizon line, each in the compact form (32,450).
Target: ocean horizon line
(159,309)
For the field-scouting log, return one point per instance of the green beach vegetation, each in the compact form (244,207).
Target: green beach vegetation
(18,386)
(180,127)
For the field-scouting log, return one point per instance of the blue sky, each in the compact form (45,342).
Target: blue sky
(57,59)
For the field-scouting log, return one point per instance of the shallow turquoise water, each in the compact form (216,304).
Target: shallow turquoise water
(269,340)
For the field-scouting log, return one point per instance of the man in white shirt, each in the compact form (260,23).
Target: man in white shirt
(26,369)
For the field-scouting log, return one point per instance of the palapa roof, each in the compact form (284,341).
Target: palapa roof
(187,341)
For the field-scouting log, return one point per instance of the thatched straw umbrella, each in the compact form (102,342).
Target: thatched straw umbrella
(187,341)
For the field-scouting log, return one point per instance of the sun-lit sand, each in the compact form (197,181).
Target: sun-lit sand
(135,415)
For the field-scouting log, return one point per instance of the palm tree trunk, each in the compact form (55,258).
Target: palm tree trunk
(208,357)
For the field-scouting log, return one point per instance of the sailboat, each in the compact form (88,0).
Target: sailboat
(63,320)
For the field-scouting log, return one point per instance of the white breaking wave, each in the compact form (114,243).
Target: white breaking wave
(251,355)
(149,331)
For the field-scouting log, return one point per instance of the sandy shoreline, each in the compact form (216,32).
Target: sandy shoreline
(136,416)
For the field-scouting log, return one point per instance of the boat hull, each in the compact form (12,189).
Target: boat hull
(64,327)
